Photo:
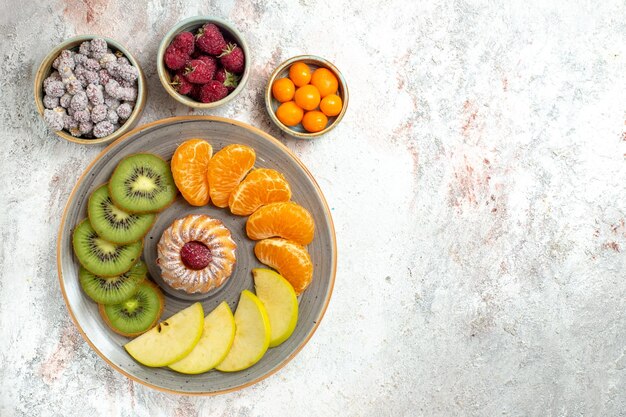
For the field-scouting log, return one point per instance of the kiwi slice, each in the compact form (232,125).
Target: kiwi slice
(137,314)
(112,290)
(101,257)
(142,183)
(114,224)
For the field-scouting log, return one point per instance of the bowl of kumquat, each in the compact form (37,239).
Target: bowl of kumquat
(306,96)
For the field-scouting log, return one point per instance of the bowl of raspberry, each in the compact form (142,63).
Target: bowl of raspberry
(203,62)
(90,90)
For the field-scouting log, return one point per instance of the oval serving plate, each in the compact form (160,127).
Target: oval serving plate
(161,138)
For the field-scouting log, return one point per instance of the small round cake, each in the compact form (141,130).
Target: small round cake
(196,254)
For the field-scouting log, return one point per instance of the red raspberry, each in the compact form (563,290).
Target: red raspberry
(220,75)
(175,58)
(210,39)
(199,72)
(195,91)
(195,255)
(230,80)
(233,59)
(209,60)
(185,42)
(213,91)
(180,84)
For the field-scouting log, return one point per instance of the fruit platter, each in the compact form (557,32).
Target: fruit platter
(196,255)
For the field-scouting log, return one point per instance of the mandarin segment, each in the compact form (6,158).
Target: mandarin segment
(189,169)
(291,260)
(262,186)
(287,220)
(226,170)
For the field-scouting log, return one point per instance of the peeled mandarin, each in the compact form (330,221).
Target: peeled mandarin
(291,260)
(189,166)
(289,113)
(307,97)
(314,121)
(300,74)
(262,186)
(227,169)
(325,81)
(286,219)
(283,89)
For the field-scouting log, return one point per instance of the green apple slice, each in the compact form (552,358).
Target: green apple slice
(216,340)
(171,340)
(280,301)
(252,336)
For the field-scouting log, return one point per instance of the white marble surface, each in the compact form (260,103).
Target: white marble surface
(477,184)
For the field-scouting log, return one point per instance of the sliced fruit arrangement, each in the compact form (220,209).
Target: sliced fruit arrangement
(142,183)
(285,219)
(252,334)
(227,169)
(260,187)
(217,338)
(114,224)
(281,304)
(137,314)
(190,344)
(225,178)
(170,340)
(113,290)
(100,257)
(291,260)
(303,93)
(108,244)
(189,169)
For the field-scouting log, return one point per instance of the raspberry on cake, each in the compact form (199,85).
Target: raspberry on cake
(196,254)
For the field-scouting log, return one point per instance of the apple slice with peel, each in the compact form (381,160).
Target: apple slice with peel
(169,341)
(252,336)
(216,340)
(279,299)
